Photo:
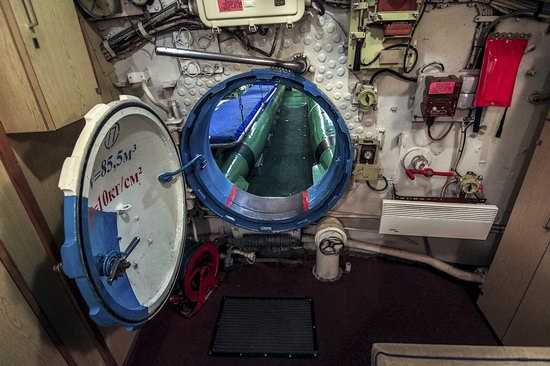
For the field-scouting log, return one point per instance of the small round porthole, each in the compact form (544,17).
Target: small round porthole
(274,152)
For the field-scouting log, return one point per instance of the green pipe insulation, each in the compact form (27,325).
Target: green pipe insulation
(323,138)
(243,157)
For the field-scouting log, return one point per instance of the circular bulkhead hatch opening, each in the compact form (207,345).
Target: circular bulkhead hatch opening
(275,154)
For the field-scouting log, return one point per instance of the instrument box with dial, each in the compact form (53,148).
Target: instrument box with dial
(441,96)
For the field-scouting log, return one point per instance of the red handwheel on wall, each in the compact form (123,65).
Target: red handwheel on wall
(198,277)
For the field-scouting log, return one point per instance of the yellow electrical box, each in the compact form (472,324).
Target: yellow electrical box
(366,160)
(248,13)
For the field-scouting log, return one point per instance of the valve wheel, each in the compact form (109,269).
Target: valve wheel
(202,266)
(331,246)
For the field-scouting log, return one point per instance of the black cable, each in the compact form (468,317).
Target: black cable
(393,72)
(245,42)
(318,6)
(435,63)
(274,44)
(441,137)
(336,4)
(501,124)
(427,246)
(485,34)
(461,151)
(337,23)
(406,70)
(398,45)
(386,184)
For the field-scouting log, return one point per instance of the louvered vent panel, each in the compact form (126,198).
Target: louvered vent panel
(444,220)
(440,211)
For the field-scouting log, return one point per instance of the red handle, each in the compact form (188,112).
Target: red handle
(428,173)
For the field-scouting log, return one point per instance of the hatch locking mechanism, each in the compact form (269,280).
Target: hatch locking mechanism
(168,176)
(114,264)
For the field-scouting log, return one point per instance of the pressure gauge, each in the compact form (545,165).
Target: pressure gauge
(99,8)
(140,3)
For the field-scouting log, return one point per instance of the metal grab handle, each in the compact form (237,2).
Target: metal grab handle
(33,20)
(428,173)
(298,65)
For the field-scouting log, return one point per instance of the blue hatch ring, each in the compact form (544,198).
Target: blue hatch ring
(264,214)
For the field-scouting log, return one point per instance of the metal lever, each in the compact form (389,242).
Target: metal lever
(297,65)
(428,173)
(33,20)
(168,176)
(114,264)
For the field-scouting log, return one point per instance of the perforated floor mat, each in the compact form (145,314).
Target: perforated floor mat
(265,327)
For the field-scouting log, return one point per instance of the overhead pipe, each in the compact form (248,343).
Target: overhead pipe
(297,65)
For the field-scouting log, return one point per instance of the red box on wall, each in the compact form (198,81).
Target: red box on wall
(498,74)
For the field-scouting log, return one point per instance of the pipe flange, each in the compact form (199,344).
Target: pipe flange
(327,280)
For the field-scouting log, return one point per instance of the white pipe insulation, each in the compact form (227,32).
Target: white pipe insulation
(364,247)
(152,98)
(327,261)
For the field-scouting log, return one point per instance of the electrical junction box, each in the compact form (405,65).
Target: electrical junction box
(461,97)
(366,161)
(440,96)
(248,13)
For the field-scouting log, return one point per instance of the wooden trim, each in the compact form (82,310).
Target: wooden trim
(30,204)
(27,65)
(17,278)
(132,350)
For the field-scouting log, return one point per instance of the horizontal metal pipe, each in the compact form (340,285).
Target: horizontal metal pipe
(365,247)
(298,66)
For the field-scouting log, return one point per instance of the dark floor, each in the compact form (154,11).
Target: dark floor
(379,301)
(286,169)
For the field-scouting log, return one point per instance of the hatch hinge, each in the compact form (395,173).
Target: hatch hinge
(168,176)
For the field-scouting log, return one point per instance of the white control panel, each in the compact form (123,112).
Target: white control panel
(236,13)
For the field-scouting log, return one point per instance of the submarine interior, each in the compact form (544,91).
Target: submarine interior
(275,182)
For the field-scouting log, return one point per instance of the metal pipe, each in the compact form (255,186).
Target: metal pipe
(227,145)
(298,65)
(152,98)
(362,246)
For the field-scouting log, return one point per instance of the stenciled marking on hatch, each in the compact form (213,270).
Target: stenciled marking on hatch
(108,195)
(112,136)
(112,162)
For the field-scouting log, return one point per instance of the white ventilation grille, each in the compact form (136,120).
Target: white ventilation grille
(450,220)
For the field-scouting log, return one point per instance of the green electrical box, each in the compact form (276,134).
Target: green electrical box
(378,38)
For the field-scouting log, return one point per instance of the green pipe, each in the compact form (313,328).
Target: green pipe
(237,167)
(322,134)
(295,99)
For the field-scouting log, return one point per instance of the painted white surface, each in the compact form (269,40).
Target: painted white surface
(139,149)
(444,35)
(446,220)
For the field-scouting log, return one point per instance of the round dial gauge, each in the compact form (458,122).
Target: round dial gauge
(98,8)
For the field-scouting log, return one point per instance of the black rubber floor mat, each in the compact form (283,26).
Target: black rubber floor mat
(265,327)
